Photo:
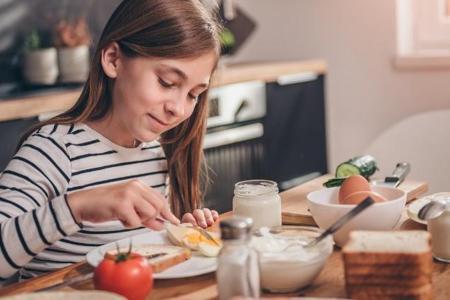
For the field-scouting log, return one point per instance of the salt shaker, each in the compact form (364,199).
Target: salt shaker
(439,227)
(237,272)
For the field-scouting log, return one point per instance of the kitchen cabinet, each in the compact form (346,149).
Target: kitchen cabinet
(294,130)
(11,132)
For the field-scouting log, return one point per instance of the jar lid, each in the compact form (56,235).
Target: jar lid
(235,228)
(255,187)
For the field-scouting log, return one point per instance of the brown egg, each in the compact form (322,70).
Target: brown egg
(353,184)
(358,197)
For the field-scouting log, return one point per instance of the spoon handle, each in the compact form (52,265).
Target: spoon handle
(344,219)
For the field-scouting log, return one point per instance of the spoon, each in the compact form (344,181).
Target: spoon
(431,210)
(342,221)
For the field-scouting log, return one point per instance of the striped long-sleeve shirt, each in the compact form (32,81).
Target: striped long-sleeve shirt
(38,233)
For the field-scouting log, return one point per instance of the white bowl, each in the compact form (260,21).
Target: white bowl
(285,270)
(326,210)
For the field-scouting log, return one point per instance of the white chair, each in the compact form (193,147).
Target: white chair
(423,140)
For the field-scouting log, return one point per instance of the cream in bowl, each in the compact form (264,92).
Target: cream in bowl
(285,264)
(326,209)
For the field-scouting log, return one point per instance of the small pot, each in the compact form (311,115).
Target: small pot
(41,66)
(73,63)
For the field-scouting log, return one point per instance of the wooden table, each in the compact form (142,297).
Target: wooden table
(330,282)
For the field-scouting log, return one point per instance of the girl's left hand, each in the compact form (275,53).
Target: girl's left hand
(201,217)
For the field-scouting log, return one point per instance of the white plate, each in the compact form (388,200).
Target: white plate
(196,265)
(415,206)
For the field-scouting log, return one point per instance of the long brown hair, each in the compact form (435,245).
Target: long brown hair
(165,29)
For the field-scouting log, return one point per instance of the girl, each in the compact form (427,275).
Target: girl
(97,173)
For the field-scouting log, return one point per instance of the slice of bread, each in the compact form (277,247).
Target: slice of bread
(388,265)
(398,281)
(385,292)
(407,247)
(170,255)
(387,270)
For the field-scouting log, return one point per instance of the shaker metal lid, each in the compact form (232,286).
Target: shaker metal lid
(236,227)
(439,203)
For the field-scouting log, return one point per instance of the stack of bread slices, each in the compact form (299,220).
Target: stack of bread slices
(388,265)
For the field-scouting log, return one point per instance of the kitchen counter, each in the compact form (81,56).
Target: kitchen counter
(31,106)
(330,283)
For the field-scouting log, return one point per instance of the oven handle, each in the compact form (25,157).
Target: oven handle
(296,78)
(233,135)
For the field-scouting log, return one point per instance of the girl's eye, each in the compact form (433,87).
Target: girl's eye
(165,83)
(192,97)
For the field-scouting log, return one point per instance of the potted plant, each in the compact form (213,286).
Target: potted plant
(72,40)
(40,64)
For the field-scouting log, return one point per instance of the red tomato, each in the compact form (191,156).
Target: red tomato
(129,275)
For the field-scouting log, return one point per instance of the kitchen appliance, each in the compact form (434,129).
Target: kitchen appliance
(233,142)
(265,130)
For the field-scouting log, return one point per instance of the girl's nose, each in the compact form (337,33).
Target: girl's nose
(175,108)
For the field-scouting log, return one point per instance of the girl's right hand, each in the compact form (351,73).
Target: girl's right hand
(132,202)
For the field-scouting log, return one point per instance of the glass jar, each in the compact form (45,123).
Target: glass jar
(258,200)
(439,227)
(285,265)
(237,271)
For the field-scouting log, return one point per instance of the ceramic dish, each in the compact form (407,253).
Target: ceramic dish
(196,265)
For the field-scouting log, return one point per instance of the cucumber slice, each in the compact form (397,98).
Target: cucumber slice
(346,170)
(361,165)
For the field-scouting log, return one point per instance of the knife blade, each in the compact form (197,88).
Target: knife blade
(397,177)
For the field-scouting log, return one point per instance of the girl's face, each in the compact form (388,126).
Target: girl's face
(153,95)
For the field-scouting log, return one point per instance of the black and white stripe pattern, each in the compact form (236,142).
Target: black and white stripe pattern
(38,233)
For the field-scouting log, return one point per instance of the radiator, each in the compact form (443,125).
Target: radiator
(229,164)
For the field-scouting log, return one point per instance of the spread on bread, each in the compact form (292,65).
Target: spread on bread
(185,235)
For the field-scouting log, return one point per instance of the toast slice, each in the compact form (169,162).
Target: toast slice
(400,248)
(387,270)
(384,292)
(166,255)
(403,281)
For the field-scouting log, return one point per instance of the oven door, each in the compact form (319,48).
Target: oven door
(233,154)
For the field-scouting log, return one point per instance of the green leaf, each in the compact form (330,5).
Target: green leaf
(227,38)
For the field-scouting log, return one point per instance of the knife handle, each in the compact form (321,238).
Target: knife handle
(398,175)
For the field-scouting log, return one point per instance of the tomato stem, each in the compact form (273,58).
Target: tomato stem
(123,256)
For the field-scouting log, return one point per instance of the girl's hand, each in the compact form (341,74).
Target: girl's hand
(201,217)
(133,203)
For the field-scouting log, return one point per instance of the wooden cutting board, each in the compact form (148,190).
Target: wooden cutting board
(294,205)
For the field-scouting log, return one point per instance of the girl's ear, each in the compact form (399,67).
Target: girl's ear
(110,59)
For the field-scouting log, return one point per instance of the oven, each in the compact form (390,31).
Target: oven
(258,130)
(233,143)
